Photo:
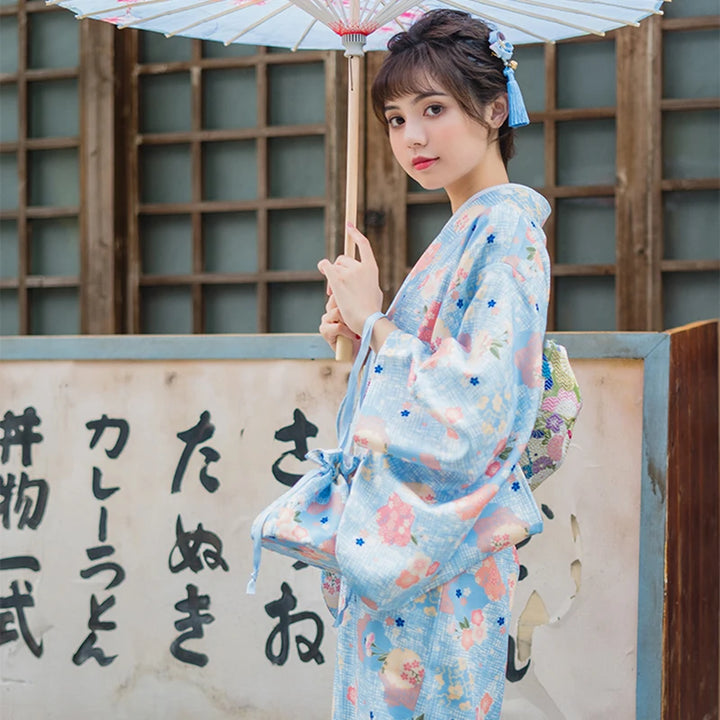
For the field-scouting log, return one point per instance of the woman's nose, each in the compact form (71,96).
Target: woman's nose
(414,134)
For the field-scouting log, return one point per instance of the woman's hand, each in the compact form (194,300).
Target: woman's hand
(332,326)
(354,284)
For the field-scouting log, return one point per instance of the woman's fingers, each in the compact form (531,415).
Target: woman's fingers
(331,304)
(353,284)
(363,245)
(330,329)
(332,314)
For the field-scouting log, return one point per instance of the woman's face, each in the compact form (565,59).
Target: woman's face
(439,145)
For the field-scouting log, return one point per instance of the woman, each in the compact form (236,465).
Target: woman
(451,392)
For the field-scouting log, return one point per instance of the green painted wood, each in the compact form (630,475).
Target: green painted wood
(271,347)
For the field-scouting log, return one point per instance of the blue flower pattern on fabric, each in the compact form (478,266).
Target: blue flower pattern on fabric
(547,373)
(446,472)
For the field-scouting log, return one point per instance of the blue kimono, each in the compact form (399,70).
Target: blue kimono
(426,542)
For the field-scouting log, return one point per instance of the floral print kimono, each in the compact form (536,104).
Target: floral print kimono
(426,542)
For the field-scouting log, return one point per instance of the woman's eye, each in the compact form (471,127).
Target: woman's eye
(433,110)
(395,121)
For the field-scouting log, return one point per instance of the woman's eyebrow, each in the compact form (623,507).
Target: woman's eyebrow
(418,98)
(425,95)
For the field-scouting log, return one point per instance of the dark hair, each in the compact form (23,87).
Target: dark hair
(452,48)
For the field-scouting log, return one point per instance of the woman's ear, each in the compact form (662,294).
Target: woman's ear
(497,111)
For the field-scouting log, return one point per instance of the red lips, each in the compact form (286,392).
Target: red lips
(421,163)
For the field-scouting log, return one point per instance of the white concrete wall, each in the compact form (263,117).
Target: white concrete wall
(580,591)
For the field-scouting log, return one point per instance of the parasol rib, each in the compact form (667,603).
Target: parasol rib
(573,11)
(114,8)
(528,13)
(395,19)
(341,7)
(402,26)
(202,21)
(368,16)
(326,15)
(328,8)
(393,11)
(262,20)
(175,11)
(624,6)
(303,36)
(493,19)
(382,17)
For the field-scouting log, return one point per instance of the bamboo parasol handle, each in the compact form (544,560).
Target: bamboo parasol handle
(343,349)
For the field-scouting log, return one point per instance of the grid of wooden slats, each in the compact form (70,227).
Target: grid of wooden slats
(198,207)
(111,209)
(637,192)
(24,282)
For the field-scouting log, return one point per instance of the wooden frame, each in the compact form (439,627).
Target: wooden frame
(638,192)
(662,264)
(109,280)
(691,674)
(101,173)
(198,207)
(25,281)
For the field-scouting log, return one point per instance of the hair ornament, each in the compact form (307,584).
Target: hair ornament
(503,49)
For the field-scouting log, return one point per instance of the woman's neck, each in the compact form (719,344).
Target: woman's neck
(488,174)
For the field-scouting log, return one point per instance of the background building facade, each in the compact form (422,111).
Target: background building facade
(150,185)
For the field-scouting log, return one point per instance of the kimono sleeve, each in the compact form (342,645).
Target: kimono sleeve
(444,419)
(466,399)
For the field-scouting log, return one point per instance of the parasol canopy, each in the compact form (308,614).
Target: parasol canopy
(321,24)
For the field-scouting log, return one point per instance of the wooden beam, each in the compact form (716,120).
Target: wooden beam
(386,197)
(225,278)
(130,62)
(638,196)
(550,170)
(691,667)
(23,226)
(263,190)
(335,147)
(272,131)
(220,206)
(197,184)
(99,278)
(275,58)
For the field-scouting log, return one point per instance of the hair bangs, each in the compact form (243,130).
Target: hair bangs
(408,75)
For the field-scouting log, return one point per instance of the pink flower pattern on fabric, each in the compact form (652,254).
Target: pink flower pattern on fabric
(426,541)
(394,521)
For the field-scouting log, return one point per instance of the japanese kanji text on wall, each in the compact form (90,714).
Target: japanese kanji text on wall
(127,491)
